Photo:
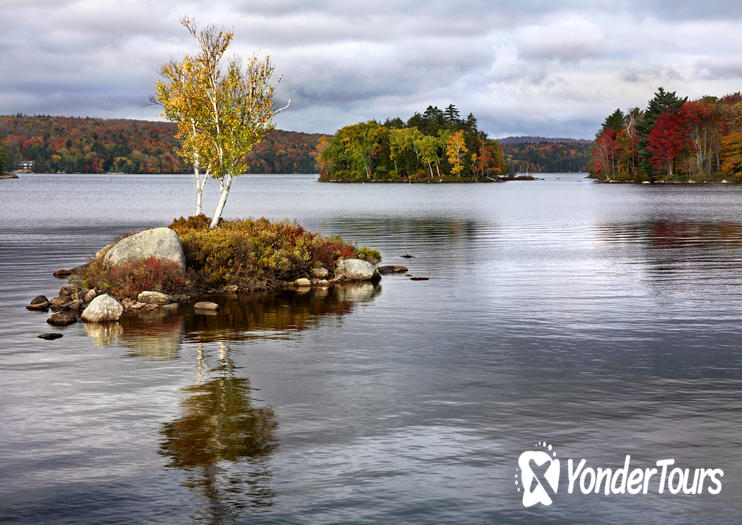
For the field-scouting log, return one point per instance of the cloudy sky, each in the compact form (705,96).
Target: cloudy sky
(542,67)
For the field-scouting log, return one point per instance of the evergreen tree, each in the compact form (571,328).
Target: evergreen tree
(452,116)
(471,123)
(614,121)
(663,101)
(394,123)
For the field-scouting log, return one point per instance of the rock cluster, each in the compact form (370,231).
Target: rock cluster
(345,270)
(74,302)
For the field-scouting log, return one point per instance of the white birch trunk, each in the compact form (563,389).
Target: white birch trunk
(199,200)
(199,185)
(224,185)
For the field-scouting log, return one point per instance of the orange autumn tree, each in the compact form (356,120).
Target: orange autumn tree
(322,144)
(488,160)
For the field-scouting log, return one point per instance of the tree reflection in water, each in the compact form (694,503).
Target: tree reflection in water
(219,428)
(222,440)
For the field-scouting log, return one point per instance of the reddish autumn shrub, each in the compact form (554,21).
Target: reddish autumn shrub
(130,278)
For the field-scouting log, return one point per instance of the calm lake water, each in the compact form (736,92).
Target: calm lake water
(604,319)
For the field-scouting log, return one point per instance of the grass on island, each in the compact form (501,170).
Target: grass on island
(242,252)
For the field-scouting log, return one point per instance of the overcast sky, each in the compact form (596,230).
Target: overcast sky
(540,67)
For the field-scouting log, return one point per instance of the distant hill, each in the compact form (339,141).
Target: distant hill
(546,155)
(536,140)
(93,145)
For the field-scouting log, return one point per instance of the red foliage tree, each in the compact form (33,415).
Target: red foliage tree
(667,140)
(605,153)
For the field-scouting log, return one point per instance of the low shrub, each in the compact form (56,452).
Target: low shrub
(244,251)
(130,278)
(368,254)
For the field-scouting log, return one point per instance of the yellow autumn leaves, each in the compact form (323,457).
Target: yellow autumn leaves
(222,109)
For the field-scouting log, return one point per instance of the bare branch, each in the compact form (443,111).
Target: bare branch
(276,112)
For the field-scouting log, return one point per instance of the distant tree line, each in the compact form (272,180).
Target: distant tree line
(6,160)
(433,145)
(545,155)
(92,145)
(673,139)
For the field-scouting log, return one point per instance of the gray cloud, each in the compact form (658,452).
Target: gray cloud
(535,67)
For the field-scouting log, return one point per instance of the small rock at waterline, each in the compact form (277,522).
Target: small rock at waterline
(40,302)
(408,256)
(392,268)
(62,318)
(154,298)
(319,272)
(102,309)
(62,274)
(172,307)
(74,306)
(205,305)
(302,282)
(50,335)
(419,278)
(59,303)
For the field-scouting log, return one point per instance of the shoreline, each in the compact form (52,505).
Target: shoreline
(433,181)
(667,182)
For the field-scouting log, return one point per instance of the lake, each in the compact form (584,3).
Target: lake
(602,319)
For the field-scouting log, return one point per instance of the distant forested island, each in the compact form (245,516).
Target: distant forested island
(672,140)
(437,146)
(546,155)
(51,144)
(94,145)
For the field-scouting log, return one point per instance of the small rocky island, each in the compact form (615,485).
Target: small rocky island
(188,263)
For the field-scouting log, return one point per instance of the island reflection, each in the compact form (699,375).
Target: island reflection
(158,335)
(222,438)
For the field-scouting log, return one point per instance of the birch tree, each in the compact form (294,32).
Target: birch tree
(224,109)
(183,101)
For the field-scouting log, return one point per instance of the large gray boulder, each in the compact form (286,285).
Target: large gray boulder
(356,270)
(157,242)
(103,309)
